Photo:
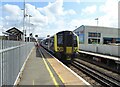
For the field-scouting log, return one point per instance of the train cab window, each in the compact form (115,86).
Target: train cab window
(68,39)
(60,39)
(75,41)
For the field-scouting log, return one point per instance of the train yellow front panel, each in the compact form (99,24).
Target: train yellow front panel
(68,49)
(55,43)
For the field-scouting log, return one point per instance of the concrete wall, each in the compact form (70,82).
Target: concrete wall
(104,49)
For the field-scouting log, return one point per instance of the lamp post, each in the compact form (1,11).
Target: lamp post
(97,34)
(23,20)
(27,15)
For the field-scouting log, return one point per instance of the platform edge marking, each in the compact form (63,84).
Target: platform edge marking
(50,72)
(71,71)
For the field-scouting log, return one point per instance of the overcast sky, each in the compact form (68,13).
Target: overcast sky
(51,16)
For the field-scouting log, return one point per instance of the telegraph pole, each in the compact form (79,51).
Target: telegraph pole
(97,35)
(24,21)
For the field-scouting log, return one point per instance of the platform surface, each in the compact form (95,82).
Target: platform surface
(37,72)
(101,55)
(67,76)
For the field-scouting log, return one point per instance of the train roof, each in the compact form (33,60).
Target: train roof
(67,31)
(64,31)
(58,33)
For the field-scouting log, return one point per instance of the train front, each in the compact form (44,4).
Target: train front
(67,45)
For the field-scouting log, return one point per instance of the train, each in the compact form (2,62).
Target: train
(64,45)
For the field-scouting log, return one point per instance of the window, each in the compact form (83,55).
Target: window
(117,40)
(93,41)
(60,39)
(68,38)
(75,41)
(80,34)
(110,40)
(92,34)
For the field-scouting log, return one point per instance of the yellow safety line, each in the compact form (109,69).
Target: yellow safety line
(61,79)
(51,74)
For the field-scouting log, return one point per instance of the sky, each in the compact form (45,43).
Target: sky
(51,16)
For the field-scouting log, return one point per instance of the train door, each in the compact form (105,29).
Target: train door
(68,42)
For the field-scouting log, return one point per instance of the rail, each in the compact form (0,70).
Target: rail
(105,79)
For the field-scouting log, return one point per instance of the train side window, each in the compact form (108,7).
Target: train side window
(52,41)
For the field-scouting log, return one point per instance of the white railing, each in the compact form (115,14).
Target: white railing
(12,56)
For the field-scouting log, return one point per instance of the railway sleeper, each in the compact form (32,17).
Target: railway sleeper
(99,75)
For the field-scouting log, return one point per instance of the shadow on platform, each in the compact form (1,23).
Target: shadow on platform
(38,53)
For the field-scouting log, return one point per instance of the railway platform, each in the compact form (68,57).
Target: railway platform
(47,71)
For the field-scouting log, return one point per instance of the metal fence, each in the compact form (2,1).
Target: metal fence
(12,56)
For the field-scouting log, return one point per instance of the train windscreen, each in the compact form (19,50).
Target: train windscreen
(75,41)
(68,38)
(60,39)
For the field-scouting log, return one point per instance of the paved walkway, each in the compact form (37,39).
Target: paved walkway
(35,72)
(48,71)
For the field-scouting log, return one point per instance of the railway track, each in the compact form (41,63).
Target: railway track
(95,74)
(104,77)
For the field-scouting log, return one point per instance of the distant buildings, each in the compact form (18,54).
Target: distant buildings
(14,34)
(105,40)
(97,35)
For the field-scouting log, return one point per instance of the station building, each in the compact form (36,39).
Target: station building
(99,39)
(14,34)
